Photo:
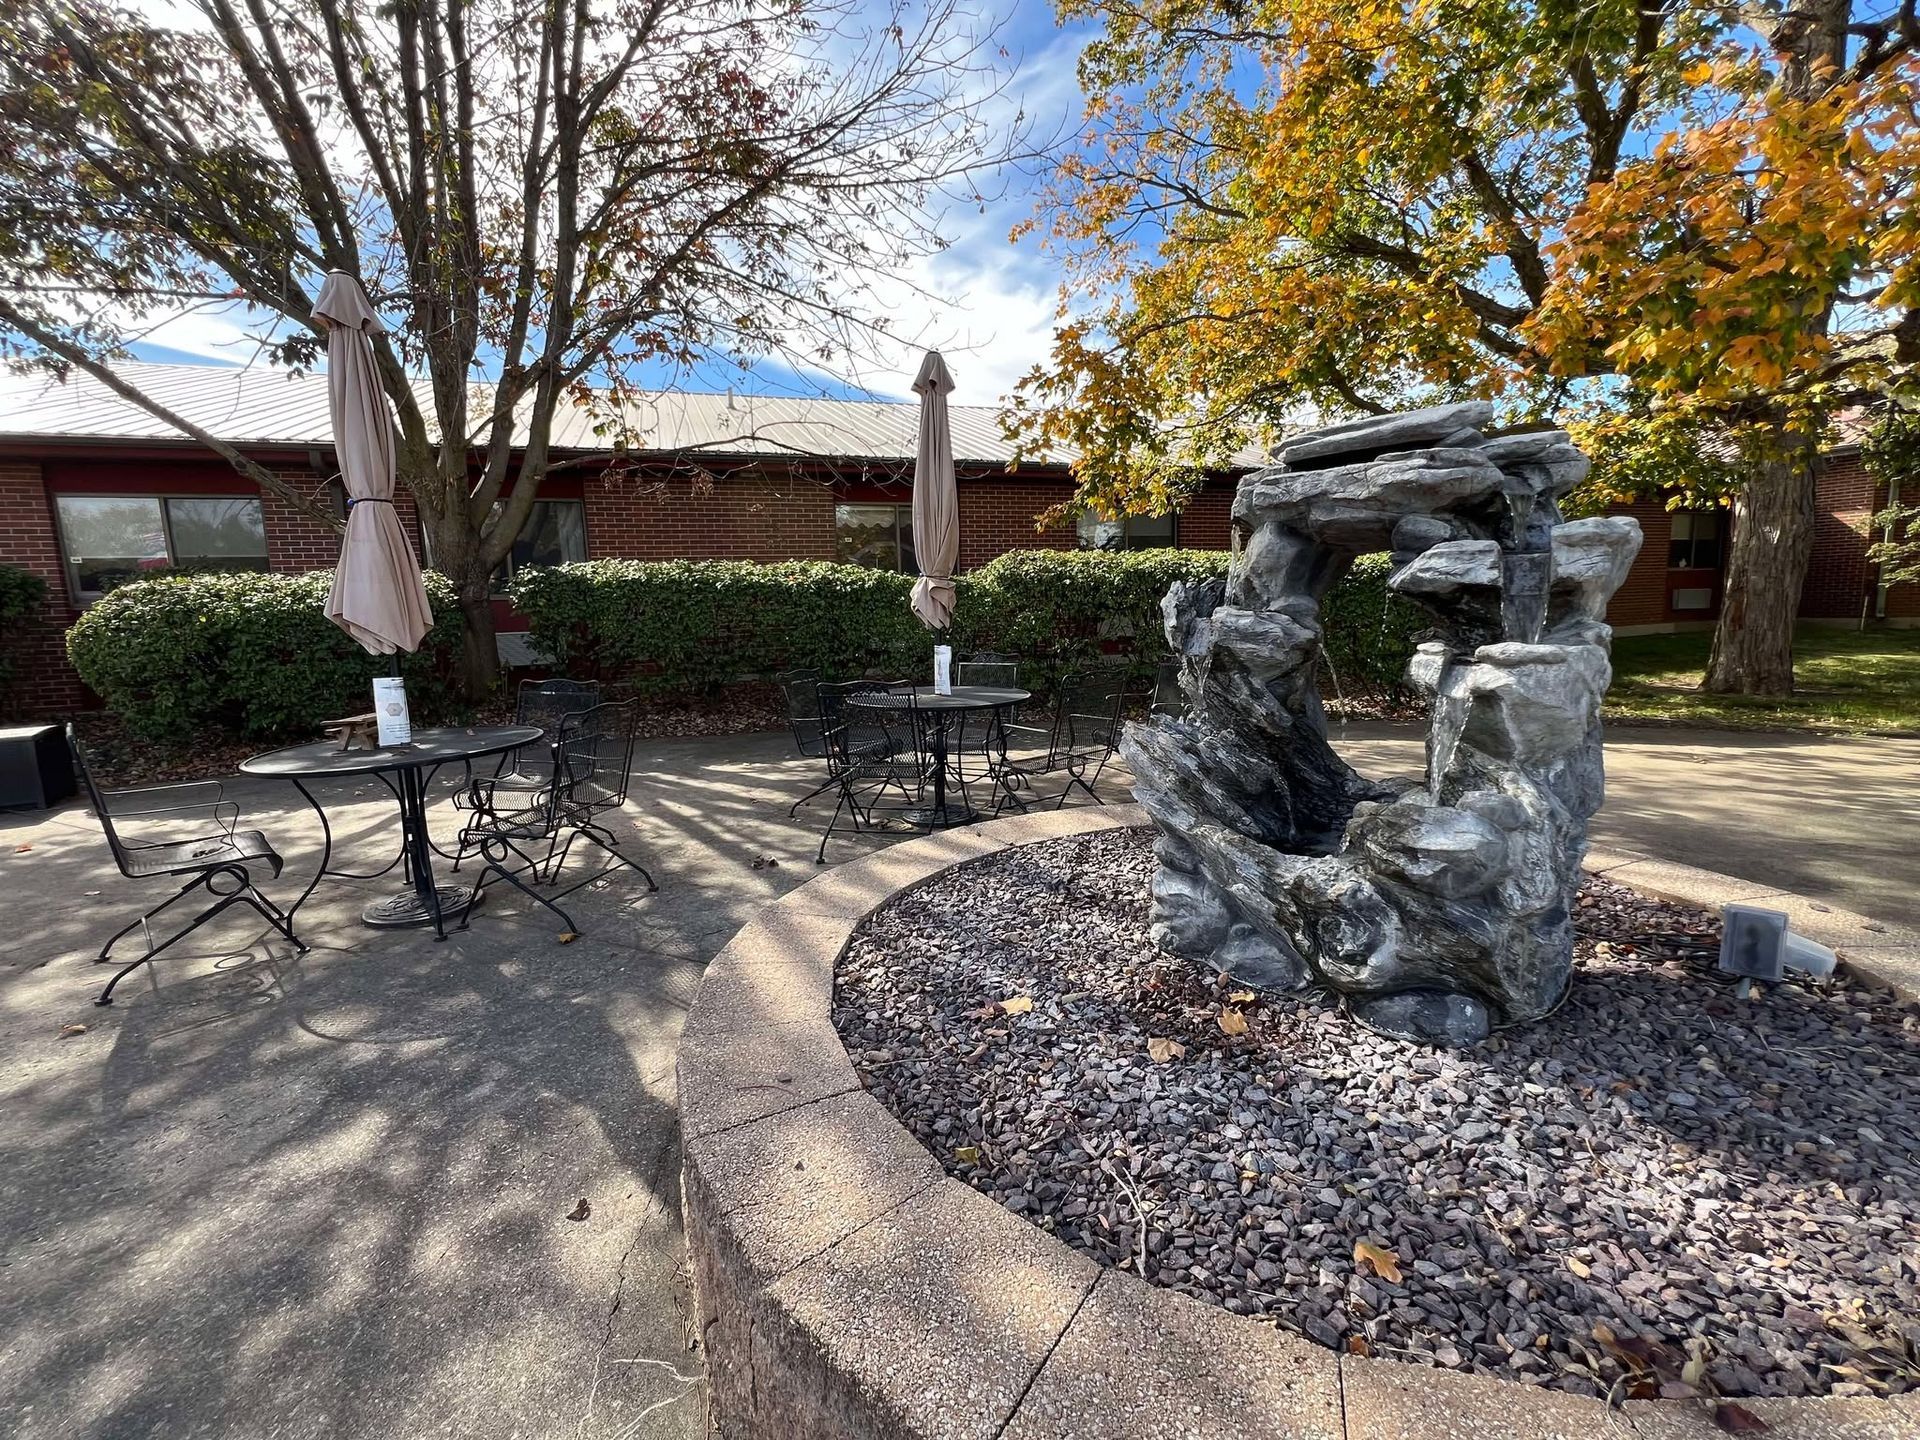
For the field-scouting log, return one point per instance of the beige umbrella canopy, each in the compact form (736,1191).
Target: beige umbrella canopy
(936,504)
(377,595)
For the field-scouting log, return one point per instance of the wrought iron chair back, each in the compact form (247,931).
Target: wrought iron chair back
(1168,698)
(805,713)
(546,703)
(1000,672)
(595,757)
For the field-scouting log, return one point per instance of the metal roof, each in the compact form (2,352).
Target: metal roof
(259,405)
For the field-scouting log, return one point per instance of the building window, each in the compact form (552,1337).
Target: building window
(878,536)
(1696,539)
(1134,532)
(111,539)
(555,534)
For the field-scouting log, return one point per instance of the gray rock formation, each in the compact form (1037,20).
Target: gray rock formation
(1440,910)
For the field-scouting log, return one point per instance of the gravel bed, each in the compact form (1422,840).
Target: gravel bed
(1662,1189)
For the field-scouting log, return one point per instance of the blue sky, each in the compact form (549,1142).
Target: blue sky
(994,315)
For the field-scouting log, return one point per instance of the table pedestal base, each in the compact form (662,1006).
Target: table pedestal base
(405,908)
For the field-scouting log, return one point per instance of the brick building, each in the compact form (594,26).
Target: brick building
(93,490)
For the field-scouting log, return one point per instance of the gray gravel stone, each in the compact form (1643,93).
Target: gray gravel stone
(1703,1176)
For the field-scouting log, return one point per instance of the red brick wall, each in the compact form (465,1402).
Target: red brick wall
(997,515)
(1642,599)
(1207,522)
(45,685)
(1838,575)
(748,515)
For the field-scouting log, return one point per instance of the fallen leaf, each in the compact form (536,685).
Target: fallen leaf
(21,849)
(967,1154)
(1357,1345)
(66,1030)
(1694,1371)
(567,937)
(1579,1266)
(1240,997)
(1231,1022)
(580,1211)
(1017,1004)
(1162,1049)
(1737,1419)
(1385,1263)
(765,862)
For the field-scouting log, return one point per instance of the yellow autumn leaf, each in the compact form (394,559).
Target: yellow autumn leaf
(1017,1004)
(1240,997)
(567,937)
(1162,1049)
(1385,1263)
(1231,1022)
(1579,1266)
(967,1154)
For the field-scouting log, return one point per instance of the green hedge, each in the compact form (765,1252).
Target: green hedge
(678,625)
(179,656)
(21,593)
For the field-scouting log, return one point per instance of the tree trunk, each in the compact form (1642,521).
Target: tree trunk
(1772,541)
(479,656)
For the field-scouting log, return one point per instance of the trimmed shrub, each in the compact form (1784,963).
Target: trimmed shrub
(21,594)
(673,626)
(676,625)
(1059,606)
(1367,635)
(177,656)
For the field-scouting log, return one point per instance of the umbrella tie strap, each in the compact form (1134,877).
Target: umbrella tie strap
(370,500)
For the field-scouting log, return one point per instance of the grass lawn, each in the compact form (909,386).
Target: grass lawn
(1845,680)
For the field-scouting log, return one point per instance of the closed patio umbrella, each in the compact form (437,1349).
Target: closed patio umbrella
(377,595)
(936,504)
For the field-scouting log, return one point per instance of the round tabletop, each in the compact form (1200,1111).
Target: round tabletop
(429,747)
(963,697)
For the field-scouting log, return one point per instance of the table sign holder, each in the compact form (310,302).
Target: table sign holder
(943,669)
(1756,944)
(390,710)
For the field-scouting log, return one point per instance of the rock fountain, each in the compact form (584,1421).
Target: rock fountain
(1439,908)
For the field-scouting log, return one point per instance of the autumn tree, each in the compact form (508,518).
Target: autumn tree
(539,198)
(1690,224)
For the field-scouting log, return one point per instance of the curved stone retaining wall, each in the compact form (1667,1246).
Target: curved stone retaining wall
(850,1290)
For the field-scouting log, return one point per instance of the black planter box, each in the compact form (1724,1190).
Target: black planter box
(36,770)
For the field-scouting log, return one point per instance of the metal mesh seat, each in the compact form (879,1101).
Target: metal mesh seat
(221,854)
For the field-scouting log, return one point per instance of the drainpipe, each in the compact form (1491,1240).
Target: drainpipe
(1886,535)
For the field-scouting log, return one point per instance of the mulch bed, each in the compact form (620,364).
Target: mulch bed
(1662,1189)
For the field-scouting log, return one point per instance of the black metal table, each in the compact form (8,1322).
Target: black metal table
(405,770)
(937,712)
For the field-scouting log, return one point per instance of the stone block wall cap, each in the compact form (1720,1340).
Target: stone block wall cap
(851,1290)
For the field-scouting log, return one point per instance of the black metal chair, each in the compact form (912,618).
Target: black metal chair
(224,854)
(1168,698)
(529,769)
(1089,712)
(592,759)
(872,748)
(974,734)
(808,703)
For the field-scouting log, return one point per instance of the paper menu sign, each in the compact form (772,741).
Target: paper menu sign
(390,711)
(943,669)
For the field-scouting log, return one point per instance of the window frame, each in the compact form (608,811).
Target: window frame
(902,525)
(1126,523)
(1693,541)
(503,574)
(81,597)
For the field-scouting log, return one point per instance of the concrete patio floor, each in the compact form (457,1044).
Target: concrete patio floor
(269,1196)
